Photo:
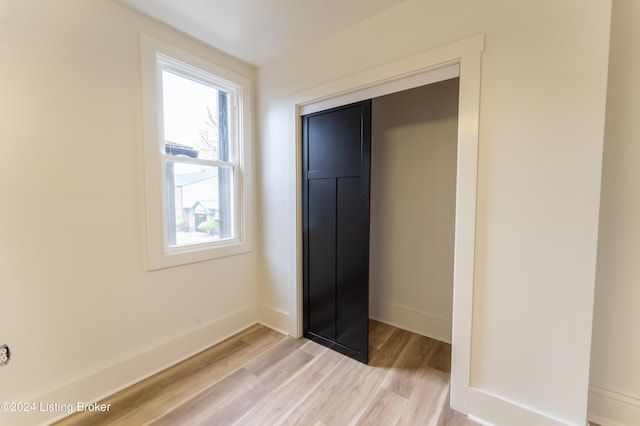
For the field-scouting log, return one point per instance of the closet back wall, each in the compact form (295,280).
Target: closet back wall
(413,189)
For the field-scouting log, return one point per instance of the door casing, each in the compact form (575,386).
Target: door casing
(425,68)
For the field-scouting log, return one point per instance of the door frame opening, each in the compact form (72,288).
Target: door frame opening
(460,59)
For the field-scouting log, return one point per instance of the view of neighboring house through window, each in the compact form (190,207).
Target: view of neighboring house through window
(198,155)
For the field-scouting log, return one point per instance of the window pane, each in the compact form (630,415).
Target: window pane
(196,118)
(200,198)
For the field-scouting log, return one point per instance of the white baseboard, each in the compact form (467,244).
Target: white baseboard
(275,319)
(479,421)
(489,409)
(610,406)
(111,379)
(412,320)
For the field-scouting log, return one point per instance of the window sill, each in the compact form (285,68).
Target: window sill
(196,253)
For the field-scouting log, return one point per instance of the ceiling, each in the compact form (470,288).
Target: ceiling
(259,31)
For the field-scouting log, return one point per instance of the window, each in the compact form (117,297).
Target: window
(196,117)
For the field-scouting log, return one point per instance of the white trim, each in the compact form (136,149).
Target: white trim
(493,409)
(199,161)
(618,394)
(157,256)
(612,406)
(275,319)
(110,379)
(479,421)
(393,86)
(467,53)
(605,422)
(423,323)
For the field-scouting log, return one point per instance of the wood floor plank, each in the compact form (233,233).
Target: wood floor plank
(326,395)
(269,379)
(358,392)
(409,365)
(351,388)
(312,348)
(198,410)
(260,377)
(379,332)
(428,397)
(303,383)
(387,354)
(442,359)
(263,364)
(386,408)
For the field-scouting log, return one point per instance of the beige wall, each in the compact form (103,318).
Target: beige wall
(81,314)
(78,308)
(413,201)
(542,106)
(615,371)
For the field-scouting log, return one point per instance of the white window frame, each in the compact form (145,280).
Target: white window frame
(157,56)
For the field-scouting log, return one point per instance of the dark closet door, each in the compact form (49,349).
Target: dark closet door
(335,207)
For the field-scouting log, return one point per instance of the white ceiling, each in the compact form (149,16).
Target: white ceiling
(259,31)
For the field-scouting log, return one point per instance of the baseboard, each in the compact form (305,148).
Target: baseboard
(109,380)
(412,320)
(479,421)
(611,406)
(489,409)
(275,319)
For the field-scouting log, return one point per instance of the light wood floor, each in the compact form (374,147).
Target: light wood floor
(260,377)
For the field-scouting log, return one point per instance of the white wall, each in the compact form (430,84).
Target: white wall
(413,202)
(615,371)
(75,297)
(541,133)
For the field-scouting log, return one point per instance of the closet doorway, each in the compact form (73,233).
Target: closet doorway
(412,211)
(461,59)
(413,204)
